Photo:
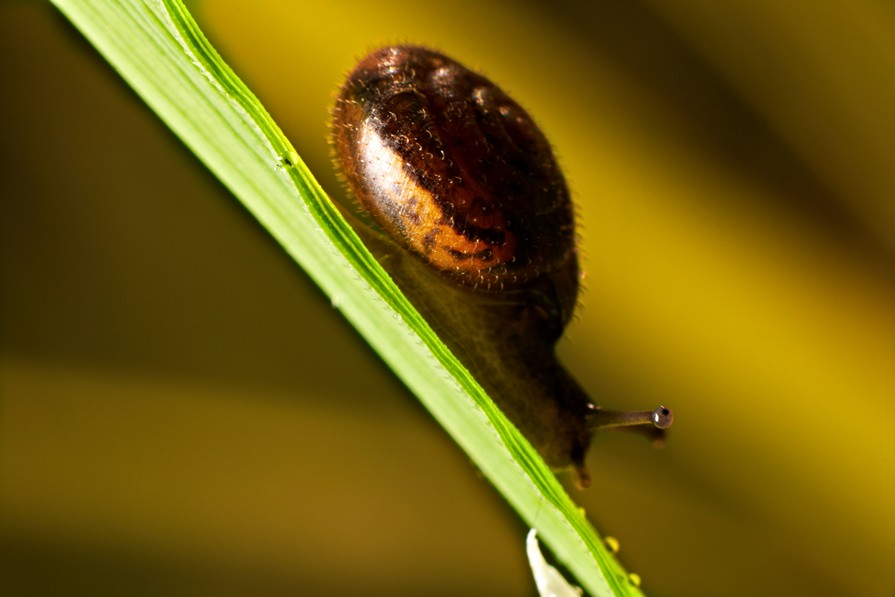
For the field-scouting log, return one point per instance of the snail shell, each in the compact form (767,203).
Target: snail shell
(479,229)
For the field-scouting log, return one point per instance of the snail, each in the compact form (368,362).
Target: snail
(472,218)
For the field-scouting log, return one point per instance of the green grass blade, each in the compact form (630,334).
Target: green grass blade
(158,49)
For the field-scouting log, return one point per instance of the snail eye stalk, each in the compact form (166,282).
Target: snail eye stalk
(602,418)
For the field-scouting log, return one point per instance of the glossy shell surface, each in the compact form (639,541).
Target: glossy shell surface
(454,170)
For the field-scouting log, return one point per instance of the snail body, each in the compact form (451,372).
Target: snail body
(477,228)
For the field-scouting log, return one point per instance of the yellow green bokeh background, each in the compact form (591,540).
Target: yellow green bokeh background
(183,412)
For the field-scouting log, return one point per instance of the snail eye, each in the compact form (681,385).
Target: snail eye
(662,417)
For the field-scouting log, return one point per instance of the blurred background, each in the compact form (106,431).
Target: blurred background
(182,411)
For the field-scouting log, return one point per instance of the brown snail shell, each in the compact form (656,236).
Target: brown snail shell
(480,230)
